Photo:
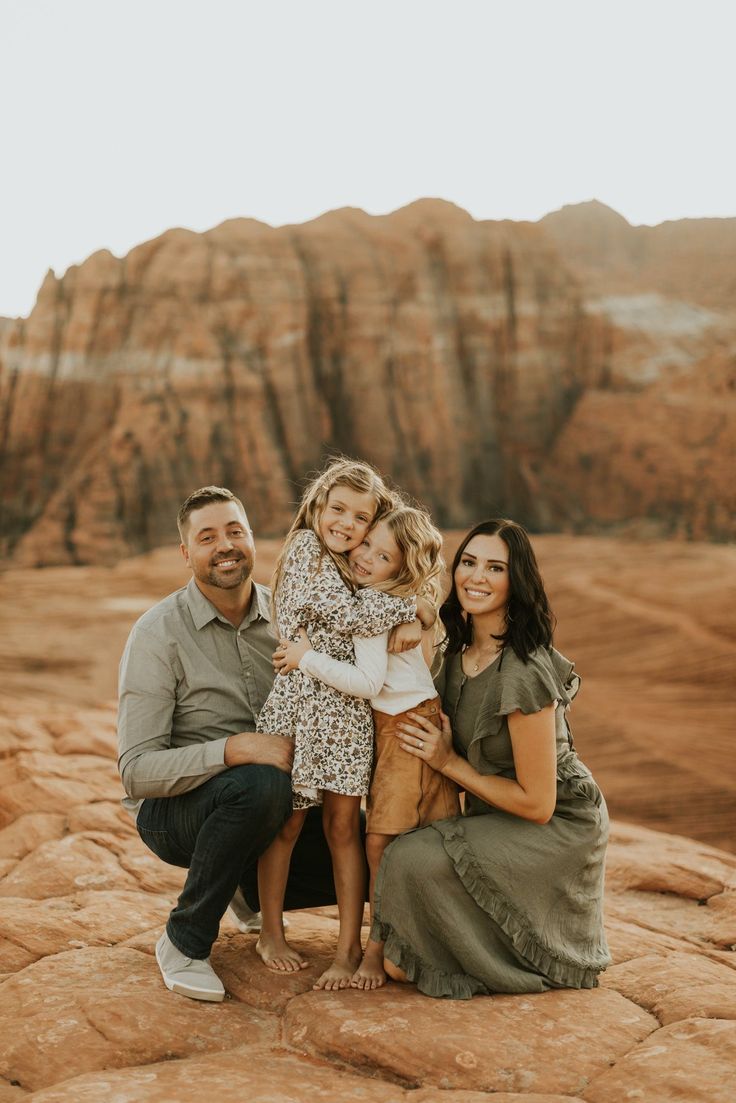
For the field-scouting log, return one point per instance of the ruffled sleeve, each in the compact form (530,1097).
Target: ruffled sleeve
(529,687)
(318,593)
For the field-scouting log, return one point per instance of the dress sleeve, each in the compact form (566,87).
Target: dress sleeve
(365,679)
(529,687)
(319,593)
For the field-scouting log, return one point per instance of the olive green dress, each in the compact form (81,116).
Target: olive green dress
(487,901)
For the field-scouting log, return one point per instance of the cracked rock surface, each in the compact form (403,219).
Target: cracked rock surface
(85,1017)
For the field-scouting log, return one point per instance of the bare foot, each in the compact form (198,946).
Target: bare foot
(394,972)
(276,954)
(339,973)
(370,973)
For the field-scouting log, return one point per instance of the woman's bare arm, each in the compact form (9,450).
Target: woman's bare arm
(532,795)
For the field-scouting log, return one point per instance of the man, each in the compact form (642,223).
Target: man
(208,792)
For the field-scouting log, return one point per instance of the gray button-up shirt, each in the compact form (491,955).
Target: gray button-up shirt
(188,680)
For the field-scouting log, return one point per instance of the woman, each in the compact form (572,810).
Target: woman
(507,897)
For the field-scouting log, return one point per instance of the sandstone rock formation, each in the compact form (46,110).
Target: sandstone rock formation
(653,445)
(568,373)
(434,345)
(85,1016)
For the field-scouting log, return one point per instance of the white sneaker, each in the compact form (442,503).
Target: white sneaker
(193,977)
(244,918)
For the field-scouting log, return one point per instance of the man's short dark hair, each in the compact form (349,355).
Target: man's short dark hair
(205,496)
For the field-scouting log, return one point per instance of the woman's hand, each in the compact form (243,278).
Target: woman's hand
(287,655)
(404,637)
(425,740)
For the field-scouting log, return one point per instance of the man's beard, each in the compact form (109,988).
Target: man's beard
(233,578)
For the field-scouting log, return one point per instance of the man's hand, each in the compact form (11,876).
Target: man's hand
(259,748)
(404,637)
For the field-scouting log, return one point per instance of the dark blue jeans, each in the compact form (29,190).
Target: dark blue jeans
(217,832)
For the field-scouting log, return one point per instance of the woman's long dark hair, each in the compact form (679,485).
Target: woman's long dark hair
(529,619)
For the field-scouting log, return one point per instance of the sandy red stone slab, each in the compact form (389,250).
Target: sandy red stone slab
(437,1095)
(657,862)
(258,1076)
(710,925)
(97,1008)
(21,732)
(627,940)
(722,911)
(86,733)
(11,1094)
(499,1043)
(246,977)
(150,873)
(106,816)
(34,780)
(678,986)
(692,1061)
(39,928)
(24,834)
(65,866)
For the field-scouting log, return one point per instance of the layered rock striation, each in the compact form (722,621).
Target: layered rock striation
(651,448)
(440,348)
(564,373)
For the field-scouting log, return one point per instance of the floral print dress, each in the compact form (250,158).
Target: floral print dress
(332,731)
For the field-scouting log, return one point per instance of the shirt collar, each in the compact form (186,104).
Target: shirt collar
(203,611)
(260,606)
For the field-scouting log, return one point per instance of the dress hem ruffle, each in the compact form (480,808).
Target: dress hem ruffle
(559,970)
(430,981)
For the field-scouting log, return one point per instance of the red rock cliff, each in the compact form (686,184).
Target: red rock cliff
(466,359)
(447,351)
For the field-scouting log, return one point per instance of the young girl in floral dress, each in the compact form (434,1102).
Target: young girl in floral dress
(332,731)
(400,555)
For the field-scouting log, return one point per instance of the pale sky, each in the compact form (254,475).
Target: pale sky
(122,118)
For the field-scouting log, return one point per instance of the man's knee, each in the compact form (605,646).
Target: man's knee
(263,792)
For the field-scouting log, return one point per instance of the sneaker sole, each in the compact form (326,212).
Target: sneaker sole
(196,993)
(185,990)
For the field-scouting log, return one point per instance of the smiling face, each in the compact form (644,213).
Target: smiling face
(346,518)
(482,576)
(219,546)
(377,558)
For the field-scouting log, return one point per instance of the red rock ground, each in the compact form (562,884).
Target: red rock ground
(85,1017)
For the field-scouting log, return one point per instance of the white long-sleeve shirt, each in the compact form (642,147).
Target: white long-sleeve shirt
(392,683)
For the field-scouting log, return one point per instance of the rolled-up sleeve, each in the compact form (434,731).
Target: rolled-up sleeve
(148,763)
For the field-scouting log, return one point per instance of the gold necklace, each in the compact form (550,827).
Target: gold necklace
(484,655)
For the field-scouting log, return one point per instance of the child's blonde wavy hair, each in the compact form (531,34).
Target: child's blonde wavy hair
(420,544)
(340,471)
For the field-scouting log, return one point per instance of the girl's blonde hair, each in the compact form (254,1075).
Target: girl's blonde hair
(421,546)
(340,471)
